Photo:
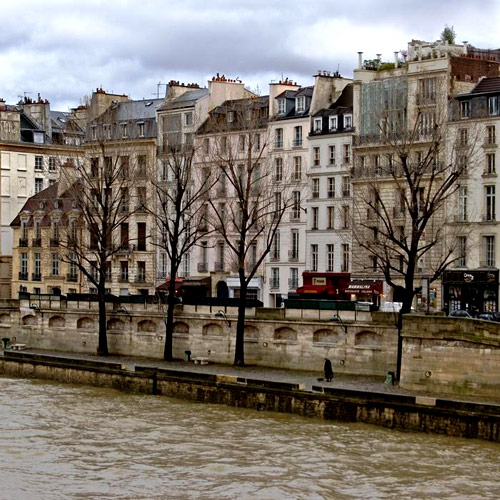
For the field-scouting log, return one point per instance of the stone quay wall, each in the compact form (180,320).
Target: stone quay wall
(451,355)
(272,337)
(409,413)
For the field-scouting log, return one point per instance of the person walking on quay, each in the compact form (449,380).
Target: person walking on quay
(328,370)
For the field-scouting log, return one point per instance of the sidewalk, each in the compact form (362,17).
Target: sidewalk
(347,382)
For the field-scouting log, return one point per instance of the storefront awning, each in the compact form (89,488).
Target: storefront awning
(316,289)
(365,287)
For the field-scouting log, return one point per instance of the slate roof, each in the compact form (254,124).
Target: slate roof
(487,85)
(343,105)
(185,100)
(137,110)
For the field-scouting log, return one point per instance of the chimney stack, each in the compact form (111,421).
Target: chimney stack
(465,49)
(396,60)
(360,60)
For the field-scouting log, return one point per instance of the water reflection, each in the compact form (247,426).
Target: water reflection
(60,442)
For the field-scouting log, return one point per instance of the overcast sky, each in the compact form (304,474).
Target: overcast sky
(64,49)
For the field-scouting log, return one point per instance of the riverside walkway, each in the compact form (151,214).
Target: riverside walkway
(308,379)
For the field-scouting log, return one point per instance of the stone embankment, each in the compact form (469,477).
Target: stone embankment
(221,385)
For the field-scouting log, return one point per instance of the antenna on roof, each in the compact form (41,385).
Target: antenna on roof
(158,86)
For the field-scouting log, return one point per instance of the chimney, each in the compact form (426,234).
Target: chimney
(396,60)
(221,89)
(465,49)
(360,60)
(275,89)
(419,52)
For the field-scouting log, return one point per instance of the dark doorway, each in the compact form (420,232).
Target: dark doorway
(222,290)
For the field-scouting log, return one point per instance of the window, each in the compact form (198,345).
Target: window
(347,153)
(315,187)
(345,257)
(331,187)
(52,164)
(490,163)
(316,156)
(296,205)
(333,124)
(72,267)
(38,185)
(489,249)
(24,266)
(275,277)
(294,252)
(141,129)
(493,105)
(461,251)
(490,203)
(330,249)
(317,125)
(427,122)
(300,104)
(38,230)
(275,249)
(347,121)
(465,109)
(38,162)
(463,136)
(462,204)
(230,116)
(330,211)
(141,236)
(55,264)
(278,138)
(426,91)
(206,145)
(277,203)
(124,270)
(297,168)
(37,268)
(188,119)
(219,262)
(141,271)
(141,166)
(256,142)
(241,143)
(223,145)
(346,186)
(93,131)
(124,130)
(491,134)
(315,217)
(278,172)
(331,155)
(314,257)
(297,136)
(294,278)
(345,217)
(281,106)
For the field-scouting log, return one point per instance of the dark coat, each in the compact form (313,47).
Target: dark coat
(328,369)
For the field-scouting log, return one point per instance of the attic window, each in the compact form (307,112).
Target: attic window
(141,129)
(317,125)
(230,116)
(281,106)
(124,130)
(300,104)
(333,123)
(149,103)
(347,121)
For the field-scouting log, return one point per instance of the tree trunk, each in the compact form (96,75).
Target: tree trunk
(239,352)
(169,324)
(102,347)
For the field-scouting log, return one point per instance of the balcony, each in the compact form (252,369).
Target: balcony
(274,283)
(54,242)
(123,278)
(36,277)
(293,283)
(123,249)
(297,143)
(219,266)
(315,194)
(487,263)
(72,277)
(23,276)
(140,278)
(23,242)
(293,255)
(202,267)
(36,242)
(278,144)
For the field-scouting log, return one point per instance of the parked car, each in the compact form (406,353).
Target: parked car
(486,316)
(459,313)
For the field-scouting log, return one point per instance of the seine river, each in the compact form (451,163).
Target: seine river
(64,442)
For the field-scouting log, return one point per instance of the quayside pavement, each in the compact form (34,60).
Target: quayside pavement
(308,379)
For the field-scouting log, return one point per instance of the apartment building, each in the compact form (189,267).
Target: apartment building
(405,102)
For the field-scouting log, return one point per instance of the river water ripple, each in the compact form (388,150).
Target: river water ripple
(65,442)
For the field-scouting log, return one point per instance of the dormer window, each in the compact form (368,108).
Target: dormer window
(465,109)
(281,106)
(188,119)
(333,124)
(317,125)
(347,121)
(300,104)
(141,129)
(124,130)
(493,105)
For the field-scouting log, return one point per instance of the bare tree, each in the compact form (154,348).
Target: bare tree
(179,218)
(251,209)
(98,186)
(401,202)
